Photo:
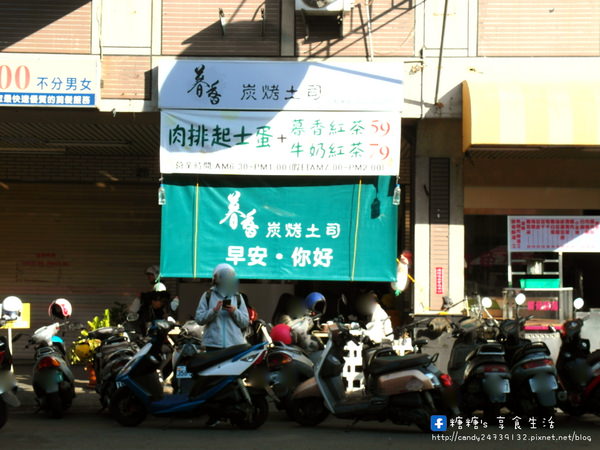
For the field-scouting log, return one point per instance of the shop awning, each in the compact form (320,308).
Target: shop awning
(499,115)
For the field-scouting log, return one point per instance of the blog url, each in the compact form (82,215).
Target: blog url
(455,436)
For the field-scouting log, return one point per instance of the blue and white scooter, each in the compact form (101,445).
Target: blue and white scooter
(53,380)
(228,384)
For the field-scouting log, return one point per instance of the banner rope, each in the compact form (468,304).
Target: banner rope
(197,195)
(356,229)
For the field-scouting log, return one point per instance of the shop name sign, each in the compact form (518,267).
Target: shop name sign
(286,143)
(569,234)
(276,86)
(68,81)
(275,231)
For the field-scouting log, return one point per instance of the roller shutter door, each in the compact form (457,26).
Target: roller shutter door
(87,243)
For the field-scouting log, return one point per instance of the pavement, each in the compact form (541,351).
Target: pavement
(85,427)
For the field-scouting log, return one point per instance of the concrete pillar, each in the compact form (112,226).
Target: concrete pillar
(438,138)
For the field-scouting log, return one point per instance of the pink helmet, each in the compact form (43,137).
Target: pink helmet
(282,333)
(60,309)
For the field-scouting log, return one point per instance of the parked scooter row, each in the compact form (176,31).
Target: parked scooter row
(491,364)
(496,367)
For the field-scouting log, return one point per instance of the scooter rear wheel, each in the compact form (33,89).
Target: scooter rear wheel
(54,405)
(127,409)
(571,410)
(3,412)
(260,412)
(308,412)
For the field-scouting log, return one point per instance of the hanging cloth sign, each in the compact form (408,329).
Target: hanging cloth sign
(269,228)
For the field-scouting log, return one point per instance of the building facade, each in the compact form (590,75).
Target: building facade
(500,117)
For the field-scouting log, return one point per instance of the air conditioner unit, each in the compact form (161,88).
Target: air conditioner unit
(324,7)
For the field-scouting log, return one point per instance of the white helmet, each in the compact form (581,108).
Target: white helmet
(159,287)
(60,309)
(11,308)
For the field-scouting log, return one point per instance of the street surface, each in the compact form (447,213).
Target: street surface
(84,427)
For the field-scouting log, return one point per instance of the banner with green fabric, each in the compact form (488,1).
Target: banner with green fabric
(280,228)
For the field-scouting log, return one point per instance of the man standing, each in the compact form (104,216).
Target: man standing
(223,311)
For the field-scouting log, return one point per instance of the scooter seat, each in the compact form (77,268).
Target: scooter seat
(207,359)
(387,364)
(527,349)
(105,332)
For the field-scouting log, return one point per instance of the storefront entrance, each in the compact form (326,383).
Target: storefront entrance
(581,271)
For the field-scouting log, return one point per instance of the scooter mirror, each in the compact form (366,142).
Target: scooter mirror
(520,299)
(447,303)
(578,303)
(486,302)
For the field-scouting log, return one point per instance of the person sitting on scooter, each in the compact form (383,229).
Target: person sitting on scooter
(288,308)
(158,308)
(372,317)
(145,298)
(223,311)
(304,320)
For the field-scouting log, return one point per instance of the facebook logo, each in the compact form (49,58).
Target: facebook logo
(439,423)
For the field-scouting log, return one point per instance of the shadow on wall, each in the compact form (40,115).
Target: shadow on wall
(256,33)
(324,38)
(20,19)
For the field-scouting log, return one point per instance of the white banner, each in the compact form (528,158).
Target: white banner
(280,85)
(569,234)
(280,143)
(68,81)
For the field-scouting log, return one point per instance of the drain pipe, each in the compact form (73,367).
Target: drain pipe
(439,70)
(368,4)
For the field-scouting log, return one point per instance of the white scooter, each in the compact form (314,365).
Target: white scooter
(403,389)
(10,310)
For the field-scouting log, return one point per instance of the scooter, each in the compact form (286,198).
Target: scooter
(53,381)
(115,350)
(578,369)
(289,366)
(186,344)
(404,389)
(8,383)
(534,389)
(10,311)
(478,365)
(228,384)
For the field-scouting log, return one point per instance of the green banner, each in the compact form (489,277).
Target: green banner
(269,229)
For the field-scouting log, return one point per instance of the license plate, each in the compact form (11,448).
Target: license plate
(543,383)
(182,372)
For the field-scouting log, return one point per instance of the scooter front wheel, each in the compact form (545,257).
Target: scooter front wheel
(257,417)
(126,408)
(308,412)
(3,412)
